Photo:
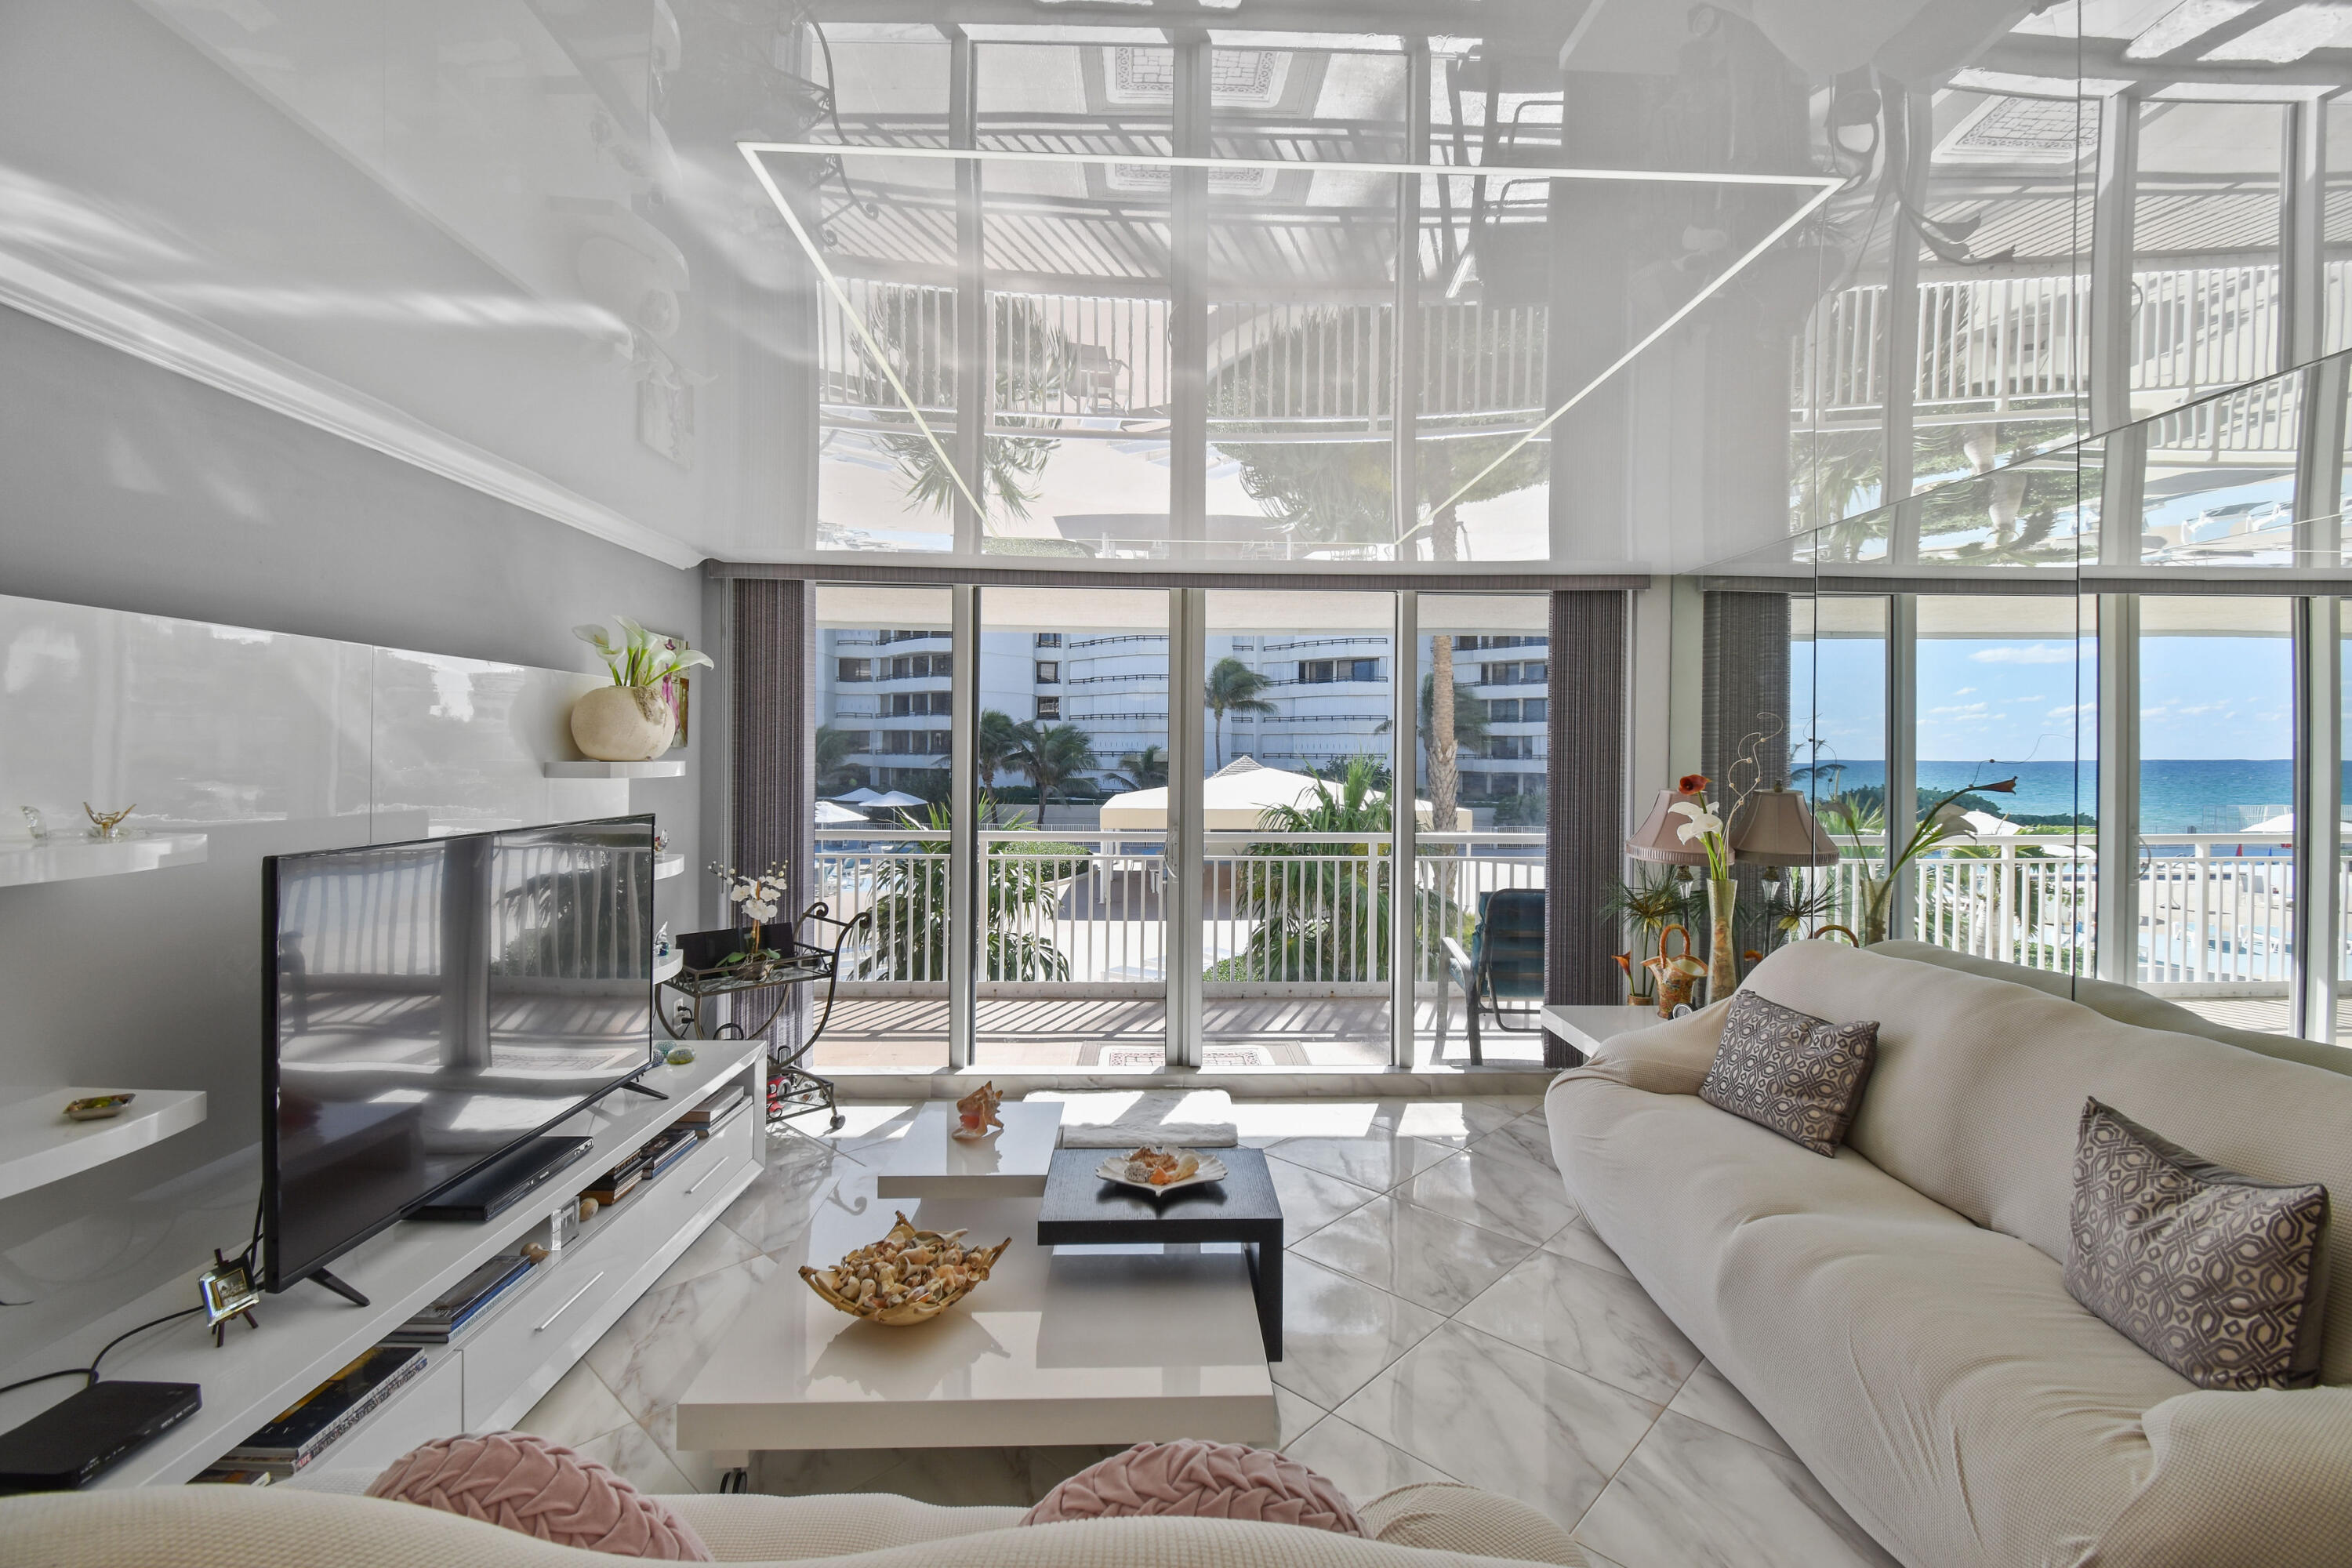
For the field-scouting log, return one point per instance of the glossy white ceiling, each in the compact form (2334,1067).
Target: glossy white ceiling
(517,241)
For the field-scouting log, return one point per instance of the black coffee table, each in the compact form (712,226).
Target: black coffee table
(1081,1209)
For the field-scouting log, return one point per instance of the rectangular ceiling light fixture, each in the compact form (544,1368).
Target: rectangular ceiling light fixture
(1816,189)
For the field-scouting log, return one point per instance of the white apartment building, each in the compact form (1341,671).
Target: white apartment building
(1330,693)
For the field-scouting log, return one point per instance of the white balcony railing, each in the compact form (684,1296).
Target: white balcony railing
(1084,909)
(2214,909)
(1067,908)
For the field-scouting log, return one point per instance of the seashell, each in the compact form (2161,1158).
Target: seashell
(881,1281)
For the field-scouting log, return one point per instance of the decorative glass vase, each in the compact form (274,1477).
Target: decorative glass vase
(1723,960)
(1876,895)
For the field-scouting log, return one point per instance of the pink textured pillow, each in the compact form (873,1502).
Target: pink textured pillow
(1209,1480)
(524,1482)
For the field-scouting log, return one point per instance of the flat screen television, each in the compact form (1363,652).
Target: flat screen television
(430,1006)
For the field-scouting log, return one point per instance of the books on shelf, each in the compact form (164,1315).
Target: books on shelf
(715,1109)
(617,1182)
(462,1302)
(666,1151)
(313,1424)
(235,1476)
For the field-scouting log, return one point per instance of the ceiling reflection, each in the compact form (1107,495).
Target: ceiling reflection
(1587,285)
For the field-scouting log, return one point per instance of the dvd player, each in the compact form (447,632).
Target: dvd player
(504,1181)
(74,1441)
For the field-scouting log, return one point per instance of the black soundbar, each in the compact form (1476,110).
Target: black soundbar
(505,1181)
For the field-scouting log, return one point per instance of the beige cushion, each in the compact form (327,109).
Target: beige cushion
(2128,1005)
(1979,1084)
(271,1527)
(1937,1377)
(750,1528)
(1451,1517)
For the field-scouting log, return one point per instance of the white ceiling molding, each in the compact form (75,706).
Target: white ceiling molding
(202,352)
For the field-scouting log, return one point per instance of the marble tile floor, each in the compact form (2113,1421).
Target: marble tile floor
(1447,1315)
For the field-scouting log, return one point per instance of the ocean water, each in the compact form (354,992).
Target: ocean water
(2178,795)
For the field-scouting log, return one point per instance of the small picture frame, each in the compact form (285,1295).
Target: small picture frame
(228,1292)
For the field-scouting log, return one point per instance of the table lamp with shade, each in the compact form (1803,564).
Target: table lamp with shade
(1775,827)
(1659,838)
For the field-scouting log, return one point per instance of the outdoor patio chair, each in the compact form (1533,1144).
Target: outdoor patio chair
(1095,377)
(1503,972)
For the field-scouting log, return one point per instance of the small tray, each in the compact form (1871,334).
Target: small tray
(1114,1169)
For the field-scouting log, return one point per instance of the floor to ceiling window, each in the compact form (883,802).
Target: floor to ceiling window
(2216,803)
(1084,765)
(1484,753)
(1297,800)
(883,679)
(1072,760)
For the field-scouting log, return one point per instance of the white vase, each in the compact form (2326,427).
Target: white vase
(622,724)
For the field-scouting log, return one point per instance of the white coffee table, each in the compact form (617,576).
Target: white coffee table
(1061,1345)
(926,1161)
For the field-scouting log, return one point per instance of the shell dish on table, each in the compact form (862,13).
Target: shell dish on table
(908,1277)
(1161,1170)
(976,1115)
(98,1107)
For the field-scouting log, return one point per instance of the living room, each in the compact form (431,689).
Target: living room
(730,680)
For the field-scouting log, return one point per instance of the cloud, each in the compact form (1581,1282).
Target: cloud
(1966,692)
(2031,653)
(1965,709)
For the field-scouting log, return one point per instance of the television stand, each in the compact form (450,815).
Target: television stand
(339,1288)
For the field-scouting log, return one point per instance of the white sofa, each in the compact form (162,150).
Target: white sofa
(278,1527)
(1898,1313)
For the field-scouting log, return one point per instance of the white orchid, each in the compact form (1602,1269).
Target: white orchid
(1701,822)
(641,657)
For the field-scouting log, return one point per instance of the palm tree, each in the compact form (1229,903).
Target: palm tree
(1321,908)
(1234,688)
(835,771)
(999,743)
(910,900)
(1053,755)
(1145,769)
(1034,362)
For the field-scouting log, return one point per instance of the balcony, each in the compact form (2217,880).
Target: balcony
(1294,932)
(1293,940)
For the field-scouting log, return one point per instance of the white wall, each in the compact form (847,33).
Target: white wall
(126,489)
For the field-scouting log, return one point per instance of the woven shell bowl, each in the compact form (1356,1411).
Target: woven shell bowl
(833,1284)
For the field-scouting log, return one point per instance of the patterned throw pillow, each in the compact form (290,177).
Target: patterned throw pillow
(523,1481)
(2218,1276)
(1796,1074)
(1199,1480)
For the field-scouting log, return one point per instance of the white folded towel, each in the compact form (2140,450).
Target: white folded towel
(1186,1119)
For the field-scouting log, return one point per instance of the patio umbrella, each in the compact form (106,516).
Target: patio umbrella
(831,815)
(861,795)
(1232,800)
(896,797)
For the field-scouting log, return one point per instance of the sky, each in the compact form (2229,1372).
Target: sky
(2025,700)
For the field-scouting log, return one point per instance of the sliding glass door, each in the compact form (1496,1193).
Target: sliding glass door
(1296,693)
(1071,753)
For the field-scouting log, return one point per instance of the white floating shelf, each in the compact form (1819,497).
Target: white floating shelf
(38,1146)
(669,865)
(661,768)
(63,859)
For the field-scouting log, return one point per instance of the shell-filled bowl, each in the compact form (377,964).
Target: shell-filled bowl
(908,1277)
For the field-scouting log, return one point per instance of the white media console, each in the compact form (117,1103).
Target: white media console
(502,1364)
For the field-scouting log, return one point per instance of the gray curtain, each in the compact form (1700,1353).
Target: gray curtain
(1586,848)
(1744,691)
(773,645)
